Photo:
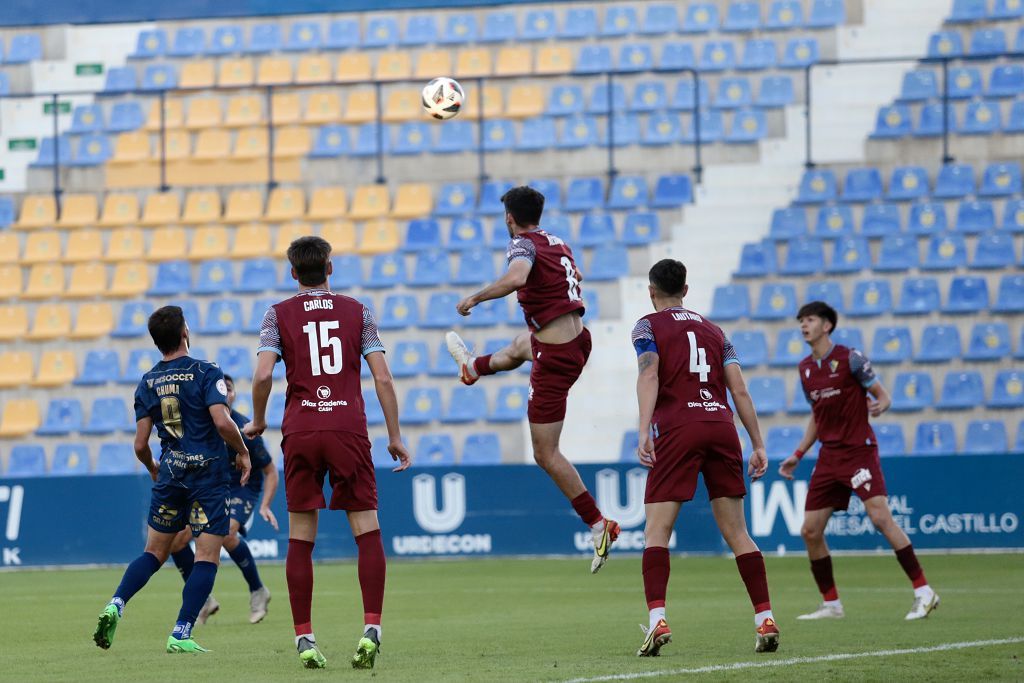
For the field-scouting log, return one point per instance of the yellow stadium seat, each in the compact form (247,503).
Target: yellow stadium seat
(196,74)
(162,208)
(201,207)
(514,61)
(286,108)
(412,201)
(209,242)
(56,368)
(492,104)
(234,73)
(213,144)
(473,62)
(327,203)
(291,142)
(13,322)
(354,67)
(433,62)
(525,101)
(119,209)
(42,247)
(94,320)
(313,69)
(251,240)
(274,71)
(37,210)
(370,201)
(52,321)
(379,237)
(203,112)
(394,66)
(554,59)
(361,106)
(251,143)
(167,244)
(288,233)
(341,235)
(21,417)
(87,280)
(132,147)
(10,281)
(178,145)
(15,369)
(78,210)
(244,206)
(174,114)
(45,281)
(10,247)
(285,204)
(244,110)
(403,105)
(131,279)
(83,246)
(323,107)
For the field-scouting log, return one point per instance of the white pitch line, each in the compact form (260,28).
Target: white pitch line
(764,664)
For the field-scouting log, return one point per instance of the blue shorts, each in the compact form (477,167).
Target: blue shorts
(241,503)
(202,506)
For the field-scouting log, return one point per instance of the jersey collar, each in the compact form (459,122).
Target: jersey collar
(828,353)
(314,292)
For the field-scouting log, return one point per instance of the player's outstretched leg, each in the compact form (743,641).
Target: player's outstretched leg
(135,577)
(472,368)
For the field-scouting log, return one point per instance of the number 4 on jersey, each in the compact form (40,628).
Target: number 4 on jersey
(323,364)
(698,358)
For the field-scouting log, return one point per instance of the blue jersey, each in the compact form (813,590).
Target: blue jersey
(177,395)
(258,456)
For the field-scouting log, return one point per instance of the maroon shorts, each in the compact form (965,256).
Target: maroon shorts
(556,367)
(309,456)
(709,448)
(839,472)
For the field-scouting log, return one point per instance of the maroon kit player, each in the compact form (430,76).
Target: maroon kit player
(320,336)
(686,428)
(542,272)
(836,382)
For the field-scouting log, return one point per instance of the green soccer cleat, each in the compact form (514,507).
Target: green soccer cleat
(310,655)
(187,646)
(366,650)
(107,625)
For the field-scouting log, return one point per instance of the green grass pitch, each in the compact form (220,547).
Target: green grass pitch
(528,620)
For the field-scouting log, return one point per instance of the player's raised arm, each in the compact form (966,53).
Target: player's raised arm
(748,416)
(143,428)
(513,279)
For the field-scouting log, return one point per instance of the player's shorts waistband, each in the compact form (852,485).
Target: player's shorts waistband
(582,336)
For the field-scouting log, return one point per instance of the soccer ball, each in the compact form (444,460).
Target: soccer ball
(442,98)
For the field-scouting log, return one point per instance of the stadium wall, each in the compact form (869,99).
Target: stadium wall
(951,502)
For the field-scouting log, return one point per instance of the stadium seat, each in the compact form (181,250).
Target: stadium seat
(961,391)
(466,404)
(939,344)
(980,118)
(862,185)
(908,182)
(635,57)
(757,260)
(476,267)
(834,221)
(70,459)
(799,53)
(945,252)
(400,311)
(954,181)
(56,368)
(608,262)
(748,125)
(929,122)
(994,251)
(742,17)
(1000,180)
(967,11)
(768,394)
(891,345)
(918,296)
(150,44)
(256,312)
(945,44)
(804,256)
(596,229)
(919,85)
(676,56)
(10,281)
(235,361)
(410,358)
(119,79)
(578,132)
(510,404)
(26,460)
(51,153)
(348,273)
(421,406)
(700,17)
(788,223)
(817,187)
(217,276)
(751,347)
(435,450)
(784,15)
(628,192)
(731,302)
(880,220)
(672,191)
(892,122)
(386,270)
(758,54)
(481,449)
(988,342)
(223,317)
(1008,390)
(985,437)
(51,321)
(431,269)
(125,244)
(640,228)
(912,391)
(890,439)
(717,55)
(975,216)
(781,441)
(20,417)
(927,217)
(108,416)
(897,253)
(828,291)
(133,320)
(46,281)
(275,411)
(115,458)
(870,298)
(63,416)
(158,77)
(987,42)
(935,438)
(967,294)
(1006,80)
(1010,297)
(776,302)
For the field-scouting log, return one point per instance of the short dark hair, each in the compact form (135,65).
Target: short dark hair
(821,310)
(525,204)
(668,276)
(165,327)
(309,257)
(229,378)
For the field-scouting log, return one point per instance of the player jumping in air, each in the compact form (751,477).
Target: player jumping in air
(241,503)
(187,400)
(836,381)
(686,428)
(320,336)
(542,271)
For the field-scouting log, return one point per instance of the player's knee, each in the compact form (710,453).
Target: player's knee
(544,456)
(811,534)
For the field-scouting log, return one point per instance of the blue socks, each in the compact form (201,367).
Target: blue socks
(197,589)
(135,577)
(183,560)
(243,558)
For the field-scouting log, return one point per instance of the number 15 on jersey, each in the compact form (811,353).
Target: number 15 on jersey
(319,337)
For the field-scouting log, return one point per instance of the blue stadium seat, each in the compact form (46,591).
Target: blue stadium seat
(961,391)
(985,437)
(918,296)
(465,233)
(490,199)
(235,361)
(1006,9)
(159,77)
(781,441)
(954,181)
(685,95)
(768,394)
(628,446)
(927,218)
(730,302)
(434,450)
(584,194)
(441,311)
(788,223)
(967,294)
(676,56)
(897,253)
(1000,180)
(935,438)
(625,130)
(552,191)
(87,118)
(466,404)
(790,348)
(828,291)
(975,216)
(488,314)
(70,459)
(460,29)
(510,405)
(758,54)
(50,153)
(890,439)
(476,266)
(342,34)
(1013,215)
(116,458)
(967,11)
(264,38)
(108,416)
(701,17)
(381,31)
(410,358)
(133,320)
(422,234)
(172,278)
(101,365)
(776,302)
(63,416)
(609,262)
(420,29)
(578,132)
(892,345)
(784,15)
(330,141)
(26,460)
(190,309)
(964,83)
(987,42)
(641,227)
(223,317)
(24,48)
(414,137)
(367,140)
(386,270)
(1006,80)
(945,44)
(908,182)
(870,298)
(988,342)
(421,405)
(827,13)
(347,273)
(499,136)
(742,16)
(628,192)
(994,250)
(217,276)
(304,36)
(945,252)
(460,136)
(635,57)
(804,256)
(800,53)
(594,59)
(649,96)
(226,40)
(1010,297)
(579,22)
(663,129)
(757,260)
(817,187)
(849,336)
(834,221)
(751,347)
(918,86)
(432,269)
(880,220)
(748,125)
(379,448)
(455,199)
(538,25)
(400,311)
(862,185)
(893,121)
(92,150)
(980,118)
(660,19)
(912,391)
(6,212)
(596,229)
(712,127)
(481,449)
(718,55)
(939,344)
(150,43)
(929,123)
(850,255)
(775,91)
(1008,390)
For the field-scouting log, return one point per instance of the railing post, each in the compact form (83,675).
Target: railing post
(481,152)
(379,89)
(271,183)
(698,168)
(946,158)
(55,103)
(612,171)
(163,141)
(808,160)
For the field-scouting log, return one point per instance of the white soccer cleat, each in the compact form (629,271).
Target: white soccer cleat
(824,612)
(258,600)
(210,607)
(604,537)
(461,355)
(923,606)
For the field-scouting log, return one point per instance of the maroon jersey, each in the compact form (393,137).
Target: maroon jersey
(836,387)
(321,336)
(692,355)
(553,287)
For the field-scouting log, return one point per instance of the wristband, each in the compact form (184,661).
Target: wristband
(799,454)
